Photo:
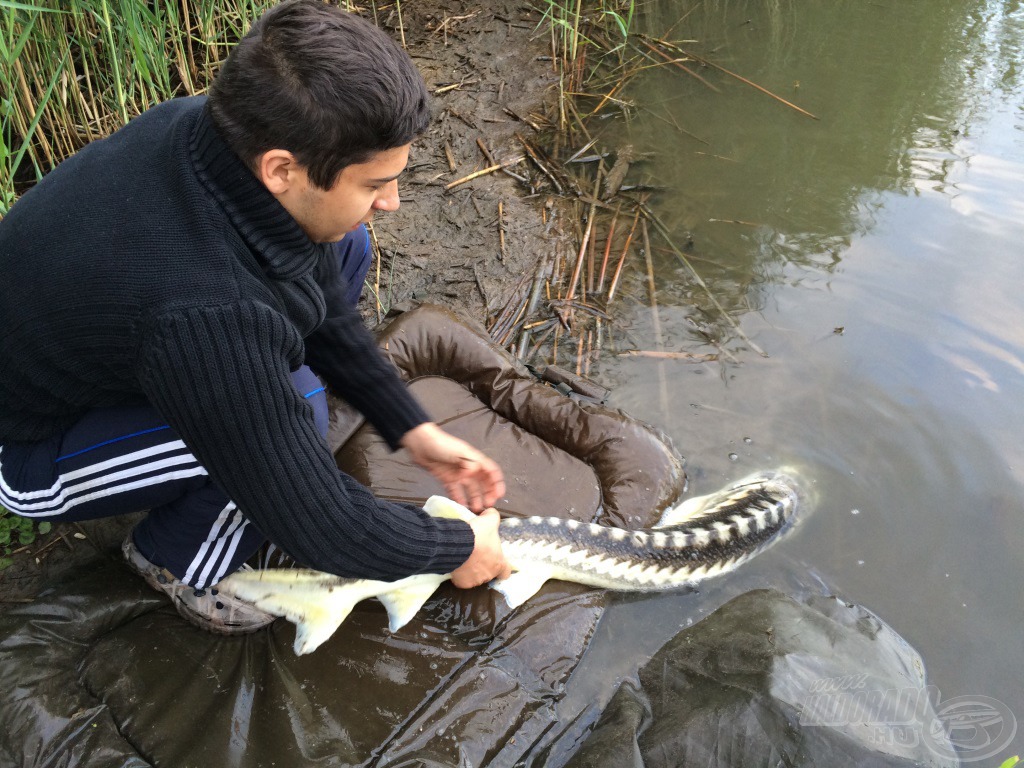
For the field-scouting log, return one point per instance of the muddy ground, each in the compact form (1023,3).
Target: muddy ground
(489,67)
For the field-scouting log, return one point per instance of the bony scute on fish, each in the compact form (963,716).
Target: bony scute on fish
(695,540)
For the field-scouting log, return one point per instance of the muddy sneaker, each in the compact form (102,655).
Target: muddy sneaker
(208,609)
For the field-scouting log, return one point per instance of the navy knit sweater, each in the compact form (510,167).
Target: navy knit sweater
(154,265)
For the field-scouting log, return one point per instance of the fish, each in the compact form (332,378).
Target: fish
(700,538)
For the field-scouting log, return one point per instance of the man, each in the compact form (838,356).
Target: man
(163,292)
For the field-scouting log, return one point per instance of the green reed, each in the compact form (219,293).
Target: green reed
(598,30)
(72,71)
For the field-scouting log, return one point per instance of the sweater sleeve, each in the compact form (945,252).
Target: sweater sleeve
(372,386)
(220,376)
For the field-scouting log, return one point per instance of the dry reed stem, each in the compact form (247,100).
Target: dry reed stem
(501,231)
(484,172)
(376,279)
(678,63)
(655,319)
(661,354)
(608,247)
(752,84)
(586,239)
(663,230)
(622,258)
(532,152)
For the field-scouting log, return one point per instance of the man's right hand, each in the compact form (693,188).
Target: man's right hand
(487,561)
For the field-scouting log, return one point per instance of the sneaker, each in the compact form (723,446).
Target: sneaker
(208,608)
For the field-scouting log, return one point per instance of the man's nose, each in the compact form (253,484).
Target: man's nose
(388,199)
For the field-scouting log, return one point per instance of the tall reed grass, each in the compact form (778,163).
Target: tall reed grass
(586,35)
(72,71)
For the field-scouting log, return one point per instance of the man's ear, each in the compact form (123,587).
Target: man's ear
(279,171)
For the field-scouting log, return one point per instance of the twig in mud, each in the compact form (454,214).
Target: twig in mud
(483,293)
(737,221)
(717,157)
(535,156)
(453,86)
(511,311)
(595,202)
(752,84)
(608,246)
(586,240)
(40,553)
(574,304)
(539,324)
(650,284)
(486,152)
(607,97)
(376,278)
(446,23)
(679,64)
(484,172)
(449,157)
(540,342)
(661,354)
(463,118)
(501,231)
(590,262)
(401,25)
(522,119)
(579,152)
(655,319)
(531,305)
(490,159)
(700,281)
(622,258)
(675,125)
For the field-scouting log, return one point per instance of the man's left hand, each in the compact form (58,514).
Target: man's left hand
(470,478)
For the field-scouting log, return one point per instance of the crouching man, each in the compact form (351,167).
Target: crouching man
(171,295)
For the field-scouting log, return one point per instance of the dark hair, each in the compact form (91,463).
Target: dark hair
(324,84)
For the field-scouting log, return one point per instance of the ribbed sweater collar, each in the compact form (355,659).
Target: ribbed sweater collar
(268,229)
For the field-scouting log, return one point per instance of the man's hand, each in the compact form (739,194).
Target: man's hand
(470,478)
(487,561)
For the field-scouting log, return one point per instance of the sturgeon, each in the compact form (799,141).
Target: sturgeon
(700,538)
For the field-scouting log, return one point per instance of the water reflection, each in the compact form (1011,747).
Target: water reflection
(874,253)
(896,85)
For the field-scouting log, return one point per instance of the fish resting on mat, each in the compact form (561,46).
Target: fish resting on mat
(695,540)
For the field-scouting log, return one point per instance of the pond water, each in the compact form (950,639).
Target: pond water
(874,254)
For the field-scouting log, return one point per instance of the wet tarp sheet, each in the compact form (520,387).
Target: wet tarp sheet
(767,681)
(100,671)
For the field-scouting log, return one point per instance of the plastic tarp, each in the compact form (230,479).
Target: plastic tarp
(100,671)
(769,681)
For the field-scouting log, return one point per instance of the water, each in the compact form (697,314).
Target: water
(874,254)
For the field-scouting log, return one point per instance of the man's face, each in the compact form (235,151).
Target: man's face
(326,216)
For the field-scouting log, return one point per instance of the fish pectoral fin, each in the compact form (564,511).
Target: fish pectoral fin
(315,603)
(316,626)
(521,585)
(442,506)
(403,602)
